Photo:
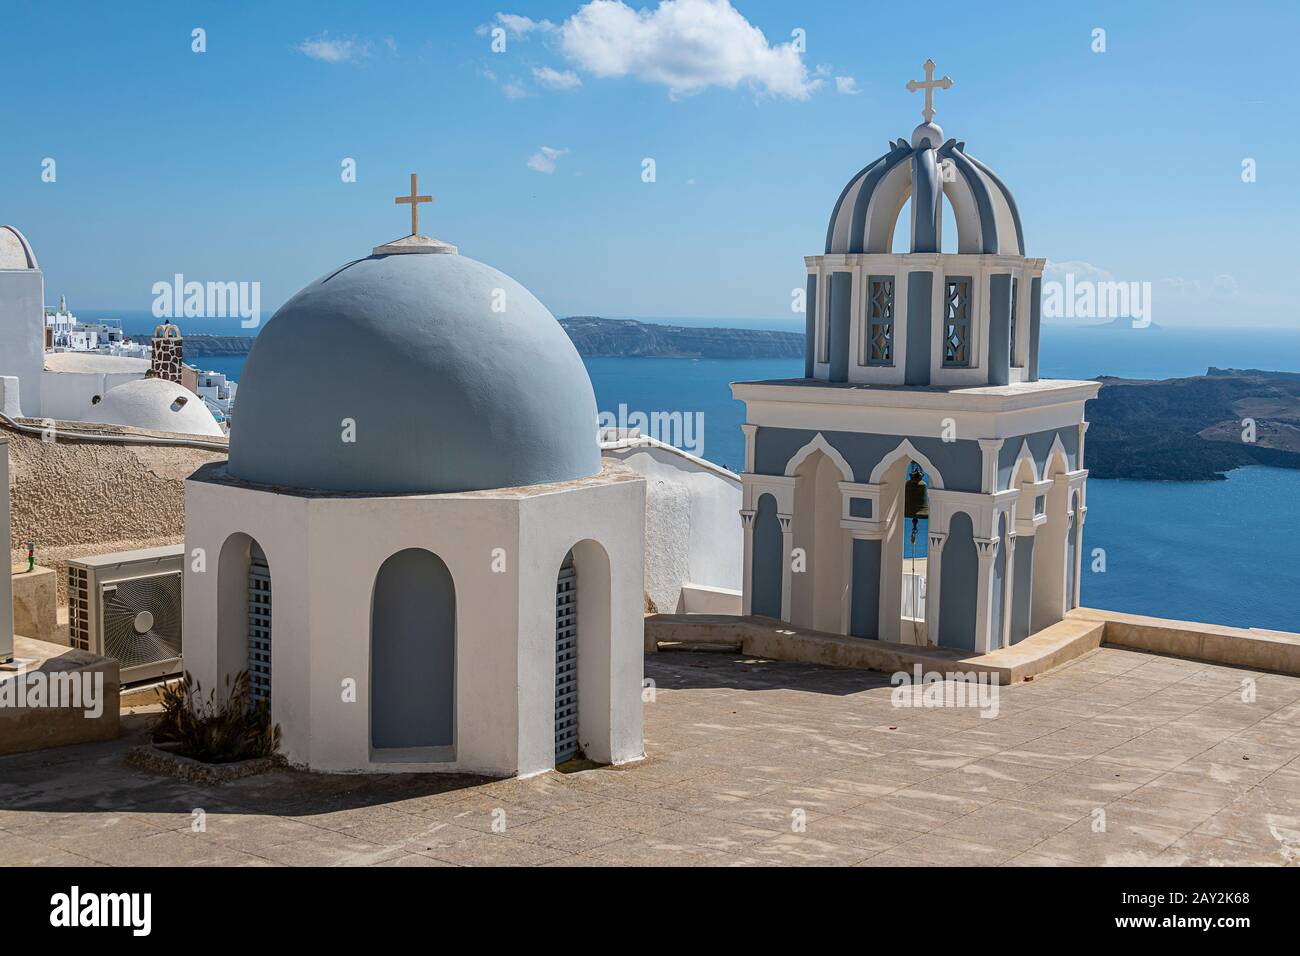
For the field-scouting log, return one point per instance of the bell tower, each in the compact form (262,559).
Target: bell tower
(920,404)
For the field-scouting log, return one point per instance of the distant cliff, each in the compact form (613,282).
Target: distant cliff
(608,338)
(196,345)
(626,338)
(1191,429)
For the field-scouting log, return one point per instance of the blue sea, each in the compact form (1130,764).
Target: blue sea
(1221,551)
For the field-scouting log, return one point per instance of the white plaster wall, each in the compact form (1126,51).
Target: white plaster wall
(66,396)
(609,672)
(350,539)
(22,333)
(324,553)
(279,525)
(693,533)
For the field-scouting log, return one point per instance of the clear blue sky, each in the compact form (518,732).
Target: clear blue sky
(225,165)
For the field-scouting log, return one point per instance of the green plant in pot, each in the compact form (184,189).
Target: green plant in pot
(215,731)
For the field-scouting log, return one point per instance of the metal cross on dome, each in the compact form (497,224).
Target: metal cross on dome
(929,84)
(414,201)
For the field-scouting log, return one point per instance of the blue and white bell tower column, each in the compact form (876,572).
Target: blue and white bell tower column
(920,358)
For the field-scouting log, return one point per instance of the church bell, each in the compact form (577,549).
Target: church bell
(915,504)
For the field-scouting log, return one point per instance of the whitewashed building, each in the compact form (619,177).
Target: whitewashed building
(427,566)
(921,366)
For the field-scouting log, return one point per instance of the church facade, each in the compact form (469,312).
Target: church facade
(921,367)
(428,566)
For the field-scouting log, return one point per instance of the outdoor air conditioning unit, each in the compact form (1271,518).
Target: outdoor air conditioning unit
(127,606)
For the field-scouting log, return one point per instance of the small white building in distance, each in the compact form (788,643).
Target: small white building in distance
(22,325)
(427,566)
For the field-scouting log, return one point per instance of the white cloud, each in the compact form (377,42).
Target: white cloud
(556,79)
(1057,271)
(543,161)
(517,26)
(685,45)
(1221,286)
(327,50)
(513,89)
(847,85)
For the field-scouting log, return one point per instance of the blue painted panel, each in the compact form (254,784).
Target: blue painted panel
(858,229)
(958,586)
(768,559)
(960,462)
(1022,588)
(840,310)
(864,612)
(999,578)
(810,327)
(1072,540)
(860,507)
(927,193)
(1035,320)
(1000,329)
(1040,444)
(920,289)
(412,652)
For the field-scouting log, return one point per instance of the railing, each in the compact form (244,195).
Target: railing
(914,597)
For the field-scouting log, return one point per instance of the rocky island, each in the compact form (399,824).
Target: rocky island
(1196,428)
(627,338)
(1181,429)
(596,337)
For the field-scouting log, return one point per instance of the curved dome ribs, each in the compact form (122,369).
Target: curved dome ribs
(867,211)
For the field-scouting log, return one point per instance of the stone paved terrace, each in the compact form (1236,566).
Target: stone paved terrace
(1185,771)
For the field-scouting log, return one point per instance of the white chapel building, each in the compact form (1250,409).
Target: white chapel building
(427,566)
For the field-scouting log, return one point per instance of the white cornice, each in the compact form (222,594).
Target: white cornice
(983,398)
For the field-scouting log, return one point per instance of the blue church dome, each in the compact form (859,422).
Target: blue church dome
(445,374)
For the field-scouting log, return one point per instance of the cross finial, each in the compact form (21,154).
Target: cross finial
(930,84)
(414,201)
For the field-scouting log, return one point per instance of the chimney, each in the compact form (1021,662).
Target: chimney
(167,353)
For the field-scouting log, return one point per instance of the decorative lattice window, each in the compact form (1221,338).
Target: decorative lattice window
(956,323)
(1012,354)
(259,627)
(880,321)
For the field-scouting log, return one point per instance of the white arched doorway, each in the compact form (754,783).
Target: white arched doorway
(819,563)
(1052,544)
(244,619)
(905,571)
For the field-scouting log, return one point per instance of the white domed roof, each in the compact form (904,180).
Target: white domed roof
(155,404)
(414,370)
(15,250)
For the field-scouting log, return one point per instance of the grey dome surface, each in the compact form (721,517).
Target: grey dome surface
(446,394)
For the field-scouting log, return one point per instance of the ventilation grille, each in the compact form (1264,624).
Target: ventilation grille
(566,665)
(142,620)
(78,608)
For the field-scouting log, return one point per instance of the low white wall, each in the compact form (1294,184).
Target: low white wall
(66,396)
(702,600)
(692,520)
(22,333)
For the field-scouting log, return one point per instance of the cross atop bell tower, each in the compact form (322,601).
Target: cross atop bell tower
(929,84)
